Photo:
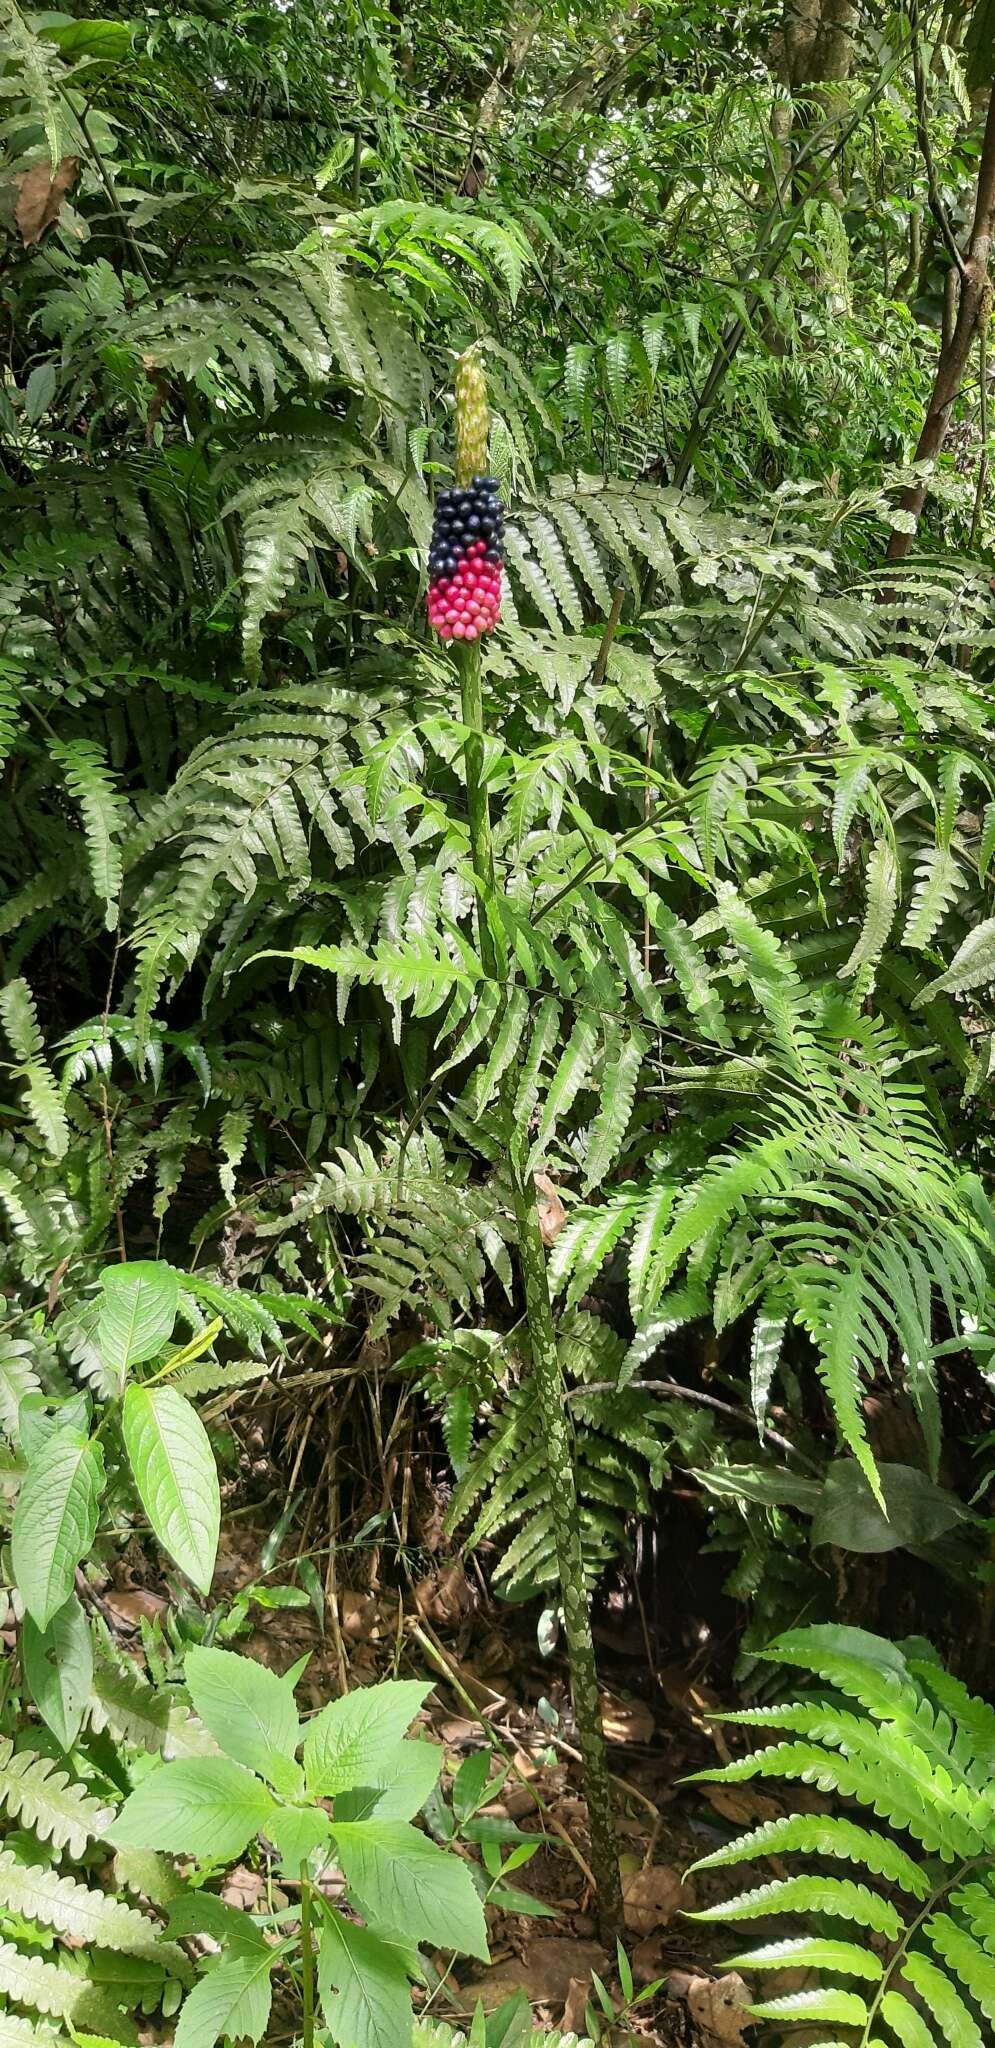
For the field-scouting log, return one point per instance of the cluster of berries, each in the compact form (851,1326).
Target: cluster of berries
(464,564)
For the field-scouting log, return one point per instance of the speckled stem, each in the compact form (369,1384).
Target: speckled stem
(556,1425)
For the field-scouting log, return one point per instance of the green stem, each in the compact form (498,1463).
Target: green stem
(307,1959)
(547,1373)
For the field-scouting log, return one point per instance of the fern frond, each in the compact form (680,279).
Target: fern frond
(72,1910)
(618,1453)
(881,883)
(19,2033)
(91,785)
(35,1791)
(18,1376)
(939,881)
(938,1948)
(41,1094)
(624,1053)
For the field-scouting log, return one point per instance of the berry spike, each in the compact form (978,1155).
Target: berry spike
(467,551)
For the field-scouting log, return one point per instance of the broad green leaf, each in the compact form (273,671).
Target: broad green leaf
(363,1983)
(58,1669)
(37,1421)
(108,41)
(414,1776)
(915,1510)
(296,1831)
(404,1880)
(470,1784)
(249,1711)
(354,1740)
(55,1521)
(137,1312)
(174,1470)
(201,1912)
(206,1807)
(233,2001)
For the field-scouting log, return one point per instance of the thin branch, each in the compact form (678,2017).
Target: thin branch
(691,1394)
(936,206)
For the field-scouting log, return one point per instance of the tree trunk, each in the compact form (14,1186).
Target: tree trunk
(956,345)
(519,44)
(811,54)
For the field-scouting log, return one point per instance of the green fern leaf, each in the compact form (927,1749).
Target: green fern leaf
(902,1759)
(967,1959)
(879,913)
(624,1056)
(837,2008)
(766,1341)
(91,785)
(18,1376)
(944,2001)
(570,1077)
(813,1952)
(72,1910)
(825,1836)
(579,544)
(578,369)
(505,1049)
(18,2033)
(42,1099)
(939,880)
(838,1897)
(35,1791)
(549,551)
(585,1243)
(536,582)
(972,966)
(618,353)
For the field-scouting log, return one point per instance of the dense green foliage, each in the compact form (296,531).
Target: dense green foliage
(899,1736)
(286,1056)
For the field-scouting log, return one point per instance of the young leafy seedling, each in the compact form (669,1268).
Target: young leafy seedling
(342,1791)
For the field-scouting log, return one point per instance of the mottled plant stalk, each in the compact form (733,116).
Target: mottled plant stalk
(472,426)
(307,1961)
(547,1373)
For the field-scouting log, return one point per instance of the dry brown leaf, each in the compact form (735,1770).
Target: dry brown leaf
(626,1720)
(552,1214)
(575,2005)
(445,1597)
(40,193)
(359,1615)
(646,1960)
(242,1889)
(456,1730)
(741,1802)
(553,1963)
(718,2006)
(131,1609)
(55,1284)
(653,1896)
